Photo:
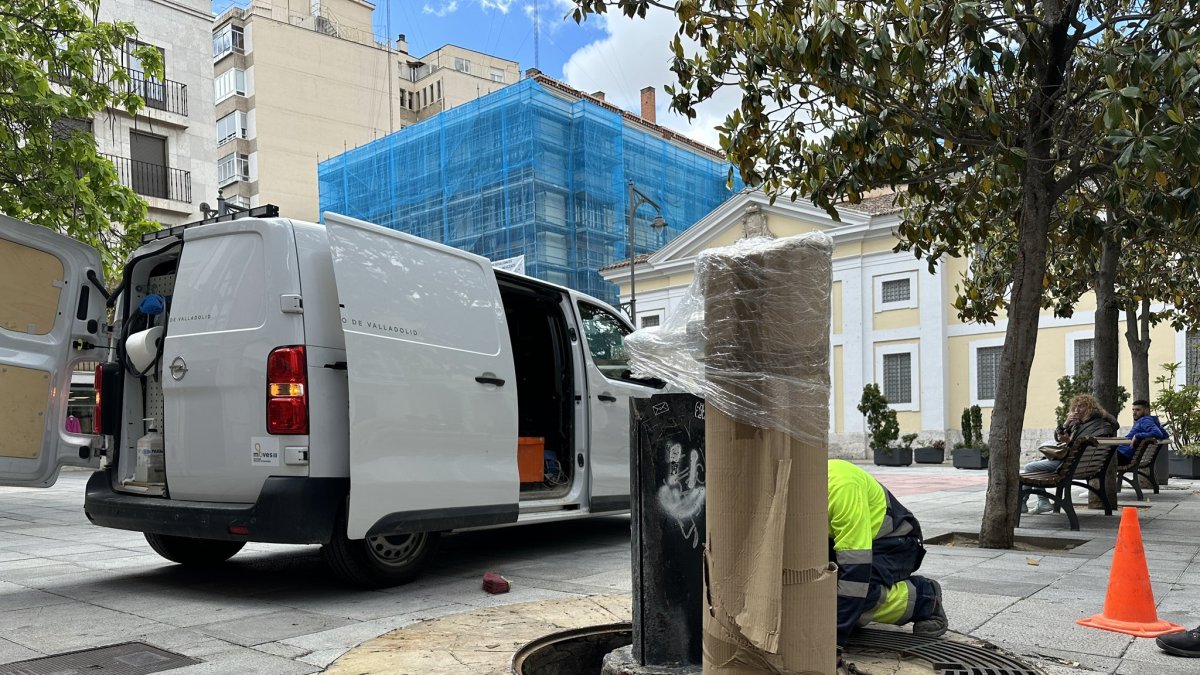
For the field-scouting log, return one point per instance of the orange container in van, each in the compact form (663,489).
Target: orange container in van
(531,462)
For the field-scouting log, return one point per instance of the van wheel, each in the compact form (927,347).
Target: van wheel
(379,562)
(193,552)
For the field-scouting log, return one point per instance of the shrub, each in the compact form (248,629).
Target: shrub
(881,420)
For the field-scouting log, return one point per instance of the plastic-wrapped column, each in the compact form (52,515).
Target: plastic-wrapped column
(766,311)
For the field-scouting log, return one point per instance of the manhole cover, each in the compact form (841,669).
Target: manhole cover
(947,657)
(130,658)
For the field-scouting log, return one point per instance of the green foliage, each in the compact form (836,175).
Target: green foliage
(881,419)
(1180,408)
(59,65)
(1070,386)
(972,430)
(906,441)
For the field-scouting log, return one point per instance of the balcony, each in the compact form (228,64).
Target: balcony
(167,95)
(153,180)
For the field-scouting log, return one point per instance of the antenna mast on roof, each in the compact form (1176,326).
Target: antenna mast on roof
(537,30)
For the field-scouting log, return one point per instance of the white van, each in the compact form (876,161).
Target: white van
(343,384)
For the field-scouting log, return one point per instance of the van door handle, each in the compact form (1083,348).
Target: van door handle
(484,379)
(336,365)
(607,397)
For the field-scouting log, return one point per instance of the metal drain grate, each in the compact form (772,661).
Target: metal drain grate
(947,657)
(130,658)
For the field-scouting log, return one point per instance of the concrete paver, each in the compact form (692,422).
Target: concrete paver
(65,584)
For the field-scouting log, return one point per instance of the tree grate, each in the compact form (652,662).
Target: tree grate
(129,658)
(946,656)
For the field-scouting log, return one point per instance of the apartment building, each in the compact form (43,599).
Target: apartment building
(297,82)
(166,152)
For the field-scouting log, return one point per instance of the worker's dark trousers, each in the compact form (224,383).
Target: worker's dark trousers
(894,560)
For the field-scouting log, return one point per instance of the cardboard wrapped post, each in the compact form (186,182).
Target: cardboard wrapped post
(770,589)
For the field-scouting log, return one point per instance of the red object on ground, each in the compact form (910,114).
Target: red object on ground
(1129,605)
(494,583)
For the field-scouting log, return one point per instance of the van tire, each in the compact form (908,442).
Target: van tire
(378,562)
(193,552)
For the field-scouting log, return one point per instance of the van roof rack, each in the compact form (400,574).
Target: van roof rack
(264,211)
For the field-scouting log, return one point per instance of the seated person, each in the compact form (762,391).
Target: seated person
(877,545)
(1086,418)
(1145,426)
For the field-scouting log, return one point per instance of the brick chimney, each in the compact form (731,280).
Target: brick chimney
(648,104)
(598,95)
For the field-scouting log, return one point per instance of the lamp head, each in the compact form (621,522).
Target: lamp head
(658,223)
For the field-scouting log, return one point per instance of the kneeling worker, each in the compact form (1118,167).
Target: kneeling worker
(876,543)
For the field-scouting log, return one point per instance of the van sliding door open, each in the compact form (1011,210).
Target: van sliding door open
(433,395)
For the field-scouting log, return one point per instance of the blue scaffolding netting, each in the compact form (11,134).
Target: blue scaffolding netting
(526,171)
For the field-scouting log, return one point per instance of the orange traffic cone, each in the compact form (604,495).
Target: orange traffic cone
(1129,605)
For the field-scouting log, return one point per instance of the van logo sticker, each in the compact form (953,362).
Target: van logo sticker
(264,451)
(189,317)
(178,368)
(380,327)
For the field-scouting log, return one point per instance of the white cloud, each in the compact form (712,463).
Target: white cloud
(446,8)
(635,54)
(501,6)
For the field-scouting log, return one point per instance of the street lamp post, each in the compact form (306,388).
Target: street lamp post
(636,199)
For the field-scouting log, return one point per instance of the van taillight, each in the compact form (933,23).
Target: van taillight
(97,426)
(287,391)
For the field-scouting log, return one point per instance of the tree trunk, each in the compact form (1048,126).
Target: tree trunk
(1012,387)
(1137,337)
(1106,344)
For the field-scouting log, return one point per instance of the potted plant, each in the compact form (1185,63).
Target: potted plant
(972,451)
(1180,406)
(883,428)
(931,452)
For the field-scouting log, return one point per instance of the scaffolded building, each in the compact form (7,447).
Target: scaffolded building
(538,170)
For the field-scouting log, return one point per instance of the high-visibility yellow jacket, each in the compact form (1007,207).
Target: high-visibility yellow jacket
(862,511)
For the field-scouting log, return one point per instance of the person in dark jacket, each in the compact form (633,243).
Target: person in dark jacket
(1085,419)
(1145,426)
(877,546)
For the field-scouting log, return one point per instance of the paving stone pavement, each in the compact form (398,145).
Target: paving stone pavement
(68,585)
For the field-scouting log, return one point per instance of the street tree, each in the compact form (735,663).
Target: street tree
(992,115)
(60,67)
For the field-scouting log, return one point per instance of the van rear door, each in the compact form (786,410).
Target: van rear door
(46,306)
(433,391)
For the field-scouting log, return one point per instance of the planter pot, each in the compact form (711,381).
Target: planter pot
(929,455)
(893,456)
(969,458)
(1181,466)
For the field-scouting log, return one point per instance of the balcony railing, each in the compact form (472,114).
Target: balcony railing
(167,95)
(153,180)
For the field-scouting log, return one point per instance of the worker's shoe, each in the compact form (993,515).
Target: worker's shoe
(935,625)
(1043,506)
(1186,643)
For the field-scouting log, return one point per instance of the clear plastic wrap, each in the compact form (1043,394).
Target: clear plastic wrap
(751,334)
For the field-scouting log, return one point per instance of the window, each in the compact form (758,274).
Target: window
(1191,357)
(230,39)
(148,164)
(230,83)
(987,372)
(233,167)
(151,89)
(895,291)
(605,335)
(497,75)
(1085,351)
(240,201)
(461,64)
(231,126)
(650,320)
(897,377)
(439,90)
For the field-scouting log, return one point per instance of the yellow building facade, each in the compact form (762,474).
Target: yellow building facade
(893,322)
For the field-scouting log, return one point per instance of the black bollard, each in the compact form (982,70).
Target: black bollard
(667,474)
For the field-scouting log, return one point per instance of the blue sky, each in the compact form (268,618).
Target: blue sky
(613,54)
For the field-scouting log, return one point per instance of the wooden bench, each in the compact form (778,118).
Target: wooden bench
(1086,459)
(1142,464)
